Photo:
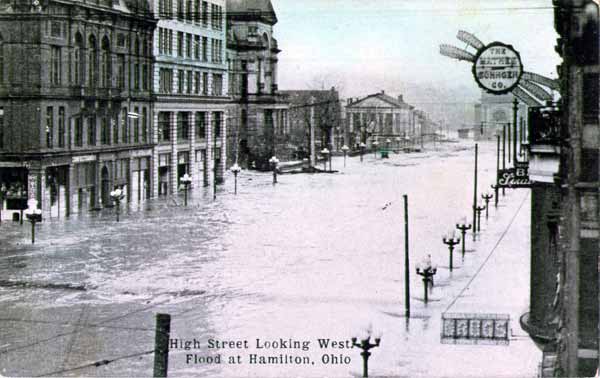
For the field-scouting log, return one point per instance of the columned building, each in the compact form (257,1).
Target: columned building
(191,99)
(379,117)
(75,103)
(259,118)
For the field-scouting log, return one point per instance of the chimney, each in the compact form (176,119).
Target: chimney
(400,98)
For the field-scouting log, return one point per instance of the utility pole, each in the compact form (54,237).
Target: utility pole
(515,111)
(313,155)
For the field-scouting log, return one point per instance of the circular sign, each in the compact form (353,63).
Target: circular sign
(498,68)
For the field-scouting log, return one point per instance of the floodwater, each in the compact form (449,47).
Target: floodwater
(275,271)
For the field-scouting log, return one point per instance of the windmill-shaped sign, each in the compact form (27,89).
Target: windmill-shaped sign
(498,69)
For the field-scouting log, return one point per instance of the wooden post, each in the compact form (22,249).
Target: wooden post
(406,260)
(161,344)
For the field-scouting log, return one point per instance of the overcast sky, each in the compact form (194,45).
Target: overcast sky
(369,45)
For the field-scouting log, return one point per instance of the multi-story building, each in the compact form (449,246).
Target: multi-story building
(259,119)
(75,103)
(319,109)
(191,98)
(564,313)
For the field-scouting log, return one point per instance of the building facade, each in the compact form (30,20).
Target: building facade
(191,93)
(493,112)
(564,313)
(380,117)
(75,103)
(258,119)
(319,110)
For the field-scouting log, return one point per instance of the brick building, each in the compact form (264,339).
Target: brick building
(322,108)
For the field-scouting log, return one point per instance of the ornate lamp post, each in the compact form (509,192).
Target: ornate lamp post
(274,161)
(387,143)
(398,140)
(407,141)
(463,226)
(487,197)
(375,145)
(345,151)
(235,169)
(325,153)
(362,150)
(366,345)
(33,215)
(427,271)
(450,240)
(117,195)
(186,180)
(478,209)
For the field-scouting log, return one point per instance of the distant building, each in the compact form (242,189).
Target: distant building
(259,117)
(493,112)
(322,108)
(75,103)
(378,117)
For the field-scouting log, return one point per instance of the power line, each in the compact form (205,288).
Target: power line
(32,344)
(96,364)
(488,256)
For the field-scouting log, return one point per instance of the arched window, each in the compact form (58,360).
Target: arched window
(136,65)
(106,64)
(78,60)
(92,61)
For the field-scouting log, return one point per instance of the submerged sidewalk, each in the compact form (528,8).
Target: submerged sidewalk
(492,279)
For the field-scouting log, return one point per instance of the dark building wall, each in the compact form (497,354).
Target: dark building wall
(544,253)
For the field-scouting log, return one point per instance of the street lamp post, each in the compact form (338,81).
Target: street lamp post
(345,151)
(274,161)
(450,240)
(479,208)
(366,345)
(325,153)
(375,145)
(362,150)
(463,226)
(186,180)
(117,195)
(33,215)
(487,197)
(427,271)
(387,144)
(235,169)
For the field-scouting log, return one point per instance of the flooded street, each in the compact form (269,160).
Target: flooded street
(278,266)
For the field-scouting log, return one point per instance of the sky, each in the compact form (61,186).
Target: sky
(367,46)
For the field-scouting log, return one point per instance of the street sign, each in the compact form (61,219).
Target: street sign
(513,178)
(498,68)
(487,329)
